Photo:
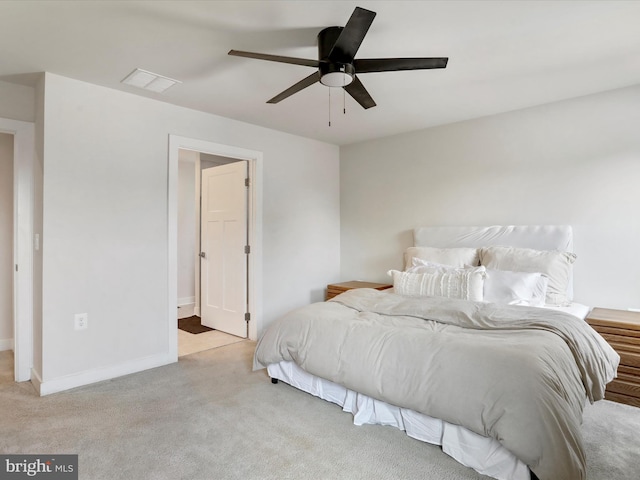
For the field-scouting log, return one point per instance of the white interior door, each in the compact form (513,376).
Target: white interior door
(223,265)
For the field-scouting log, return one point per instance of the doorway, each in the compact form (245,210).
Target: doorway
(212,152)
(23,245)
(212,279)
(6,245)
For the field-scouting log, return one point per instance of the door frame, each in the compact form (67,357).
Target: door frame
(254,284)
(23,205)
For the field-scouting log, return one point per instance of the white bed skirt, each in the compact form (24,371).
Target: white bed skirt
(485,455)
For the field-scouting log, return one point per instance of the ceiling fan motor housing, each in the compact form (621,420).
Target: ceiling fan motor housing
(333,73)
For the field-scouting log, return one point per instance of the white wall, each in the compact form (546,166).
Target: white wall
(17,102)
(574,162)
(105,223)
(186,227)
(6,241)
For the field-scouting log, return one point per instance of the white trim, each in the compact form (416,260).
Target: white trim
(23,157)
(197,178)
(97,375)
(36,381)
(6,344)
(186,301)
(254,159)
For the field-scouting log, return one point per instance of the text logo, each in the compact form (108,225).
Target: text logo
(49,467)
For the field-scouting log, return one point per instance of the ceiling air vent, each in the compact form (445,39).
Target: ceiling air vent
(149,81)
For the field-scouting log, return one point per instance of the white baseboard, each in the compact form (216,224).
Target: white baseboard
(92,376)
(6,344)
(186,301)
(186,311)
(36,381)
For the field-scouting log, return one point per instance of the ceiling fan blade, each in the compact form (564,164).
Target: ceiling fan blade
(367,65)
(352,36)
(276,58)
(360,94)
(302,84)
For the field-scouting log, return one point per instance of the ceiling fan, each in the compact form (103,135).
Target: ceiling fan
(337,65)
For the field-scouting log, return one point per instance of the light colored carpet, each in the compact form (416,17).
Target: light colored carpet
(210,417)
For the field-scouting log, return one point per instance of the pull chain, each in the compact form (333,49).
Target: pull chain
(344,102)
(329,106)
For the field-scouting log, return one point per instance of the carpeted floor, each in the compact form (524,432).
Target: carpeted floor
(192,325)
(210,417)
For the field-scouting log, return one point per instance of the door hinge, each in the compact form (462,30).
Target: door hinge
(16,267)
(247,249)
(247,182)
(247,317)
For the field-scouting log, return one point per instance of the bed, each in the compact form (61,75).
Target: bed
(478,348)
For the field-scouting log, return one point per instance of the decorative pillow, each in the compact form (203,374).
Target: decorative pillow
(555,264)
(454,257)
(462,283)
(515,288)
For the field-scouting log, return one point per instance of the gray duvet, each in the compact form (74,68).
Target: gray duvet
(518,374)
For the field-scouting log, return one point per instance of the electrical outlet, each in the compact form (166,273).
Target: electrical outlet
(81,321)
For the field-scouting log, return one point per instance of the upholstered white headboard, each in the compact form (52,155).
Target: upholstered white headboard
(539,237)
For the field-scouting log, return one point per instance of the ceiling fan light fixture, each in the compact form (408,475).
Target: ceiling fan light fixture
(336,79)
(336,74)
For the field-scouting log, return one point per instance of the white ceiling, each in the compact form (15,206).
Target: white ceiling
(503,55)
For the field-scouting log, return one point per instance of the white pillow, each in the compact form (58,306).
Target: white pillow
(515,288)
(462,283)
(555,264)
(419,265)
(454,257)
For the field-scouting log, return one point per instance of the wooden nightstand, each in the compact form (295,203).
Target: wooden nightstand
(334,289)
(621,329)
